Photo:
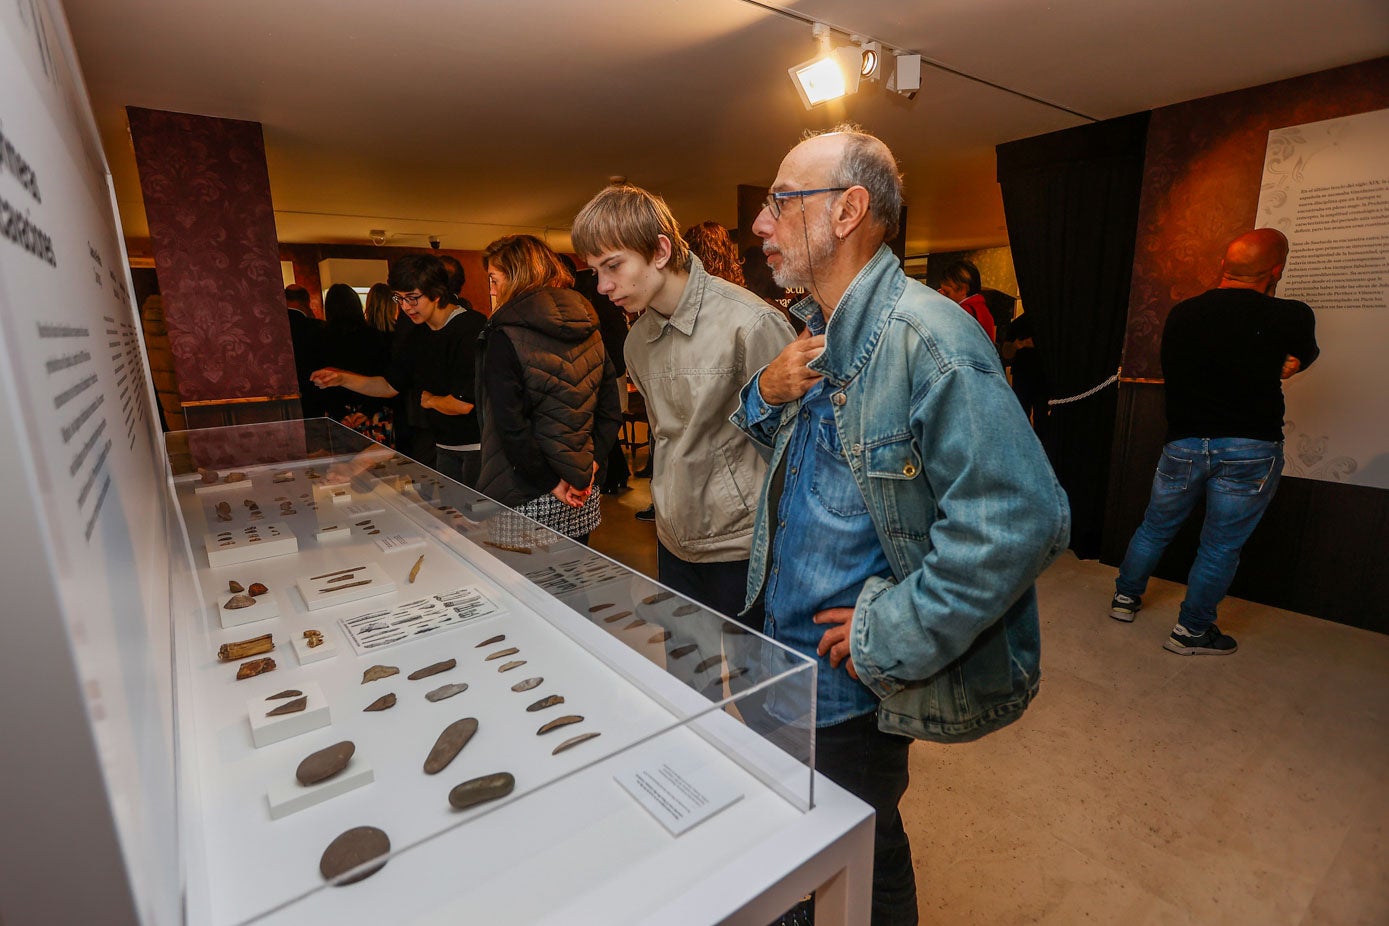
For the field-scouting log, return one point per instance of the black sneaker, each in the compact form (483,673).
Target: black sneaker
(1124,607)
(646,514)
(1211,643)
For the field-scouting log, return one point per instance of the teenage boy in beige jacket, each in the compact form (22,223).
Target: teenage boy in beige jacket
(689,356)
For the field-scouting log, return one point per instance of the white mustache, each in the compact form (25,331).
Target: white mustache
(769,249)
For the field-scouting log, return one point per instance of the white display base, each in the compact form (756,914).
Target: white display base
(218,487)
(395,543)
(325,650)
(266,730)
(317,593)
(331,533)
(337,493)
(264,609)
(276,539)
(362,508)
(289,796)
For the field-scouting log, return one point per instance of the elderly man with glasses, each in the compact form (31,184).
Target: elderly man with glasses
(436,359)
(908,507)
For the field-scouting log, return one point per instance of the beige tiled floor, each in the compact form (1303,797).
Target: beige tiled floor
(1148,788)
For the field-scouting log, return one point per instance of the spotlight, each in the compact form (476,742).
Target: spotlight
(836,72)
(872,65)
(828,77)
(906,76)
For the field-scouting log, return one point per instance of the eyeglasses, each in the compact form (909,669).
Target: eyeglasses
(412,300)
(773,200)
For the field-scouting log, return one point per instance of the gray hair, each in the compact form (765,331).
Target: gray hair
(868,163)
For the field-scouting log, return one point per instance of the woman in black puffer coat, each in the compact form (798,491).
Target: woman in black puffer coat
(548,391)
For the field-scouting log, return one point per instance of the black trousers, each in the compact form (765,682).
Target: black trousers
(721,586)
(872,766)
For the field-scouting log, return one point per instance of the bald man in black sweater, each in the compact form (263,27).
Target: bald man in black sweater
(1225,354)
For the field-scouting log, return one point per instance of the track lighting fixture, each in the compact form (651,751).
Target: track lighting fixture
(836,72)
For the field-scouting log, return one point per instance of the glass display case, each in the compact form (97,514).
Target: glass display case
(398,700)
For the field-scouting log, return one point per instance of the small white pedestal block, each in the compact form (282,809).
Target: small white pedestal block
(221,486)
(264,609)
(243,545)
(362,508)
(321,593)
(339,493)
(330,533)
(289,796)
(266,730)
(306,654)
(395,543)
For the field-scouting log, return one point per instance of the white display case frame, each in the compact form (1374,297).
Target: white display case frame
(569,844)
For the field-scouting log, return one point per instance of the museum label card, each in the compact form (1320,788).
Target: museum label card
(677,792)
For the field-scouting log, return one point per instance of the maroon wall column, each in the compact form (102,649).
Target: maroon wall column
(212,227)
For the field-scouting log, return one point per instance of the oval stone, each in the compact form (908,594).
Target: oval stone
(449,744)
(680,652)
(435,669)
(548,701)
(481,790)
(446,691)
(558,722)
(528,684)
(357,846)
(324,764)
(709,663)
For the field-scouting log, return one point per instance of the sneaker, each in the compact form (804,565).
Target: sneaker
(1211,643)
(1124,607)
(646,514)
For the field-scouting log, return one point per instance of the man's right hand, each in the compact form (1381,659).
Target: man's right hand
(789,376)
(1291,365)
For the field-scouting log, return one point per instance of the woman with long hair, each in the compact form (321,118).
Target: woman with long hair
(716,251)
(381,311)
(548,392)
(352,344)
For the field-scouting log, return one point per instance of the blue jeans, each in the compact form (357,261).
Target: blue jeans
(1237,477)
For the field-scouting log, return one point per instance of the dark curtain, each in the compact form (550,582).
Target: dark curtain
(1071,203)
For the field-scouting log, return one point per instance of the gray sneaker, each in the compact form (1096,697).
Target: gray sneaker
(1211,643)
(1124,607)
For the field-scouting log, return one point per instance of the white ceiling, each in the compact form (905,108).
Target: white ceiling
(469,119)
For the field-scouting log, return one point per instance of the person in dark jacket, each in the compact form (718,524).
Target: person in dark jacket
(349,343)
(548,394)
(306,337)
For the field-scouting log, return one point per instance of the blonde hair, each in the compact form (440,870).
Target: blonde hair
(527,263)
(380,311)
(625,217)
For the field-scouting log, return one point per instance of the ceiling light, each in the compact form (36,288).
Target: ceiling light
(906,75)
(828,77)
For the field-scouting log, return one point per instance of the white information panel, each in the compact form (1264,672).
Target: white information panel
(82,460)
(1326,186)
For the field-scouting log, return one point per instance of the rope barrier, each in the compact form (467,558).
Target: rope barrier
(1088,393)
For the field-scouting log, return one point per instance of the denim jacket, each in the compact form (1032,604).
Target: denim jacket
(962,496)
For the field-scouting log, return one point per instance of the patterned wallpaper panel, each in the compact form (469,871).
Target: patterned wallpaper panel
(207,197)
(1201,177)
